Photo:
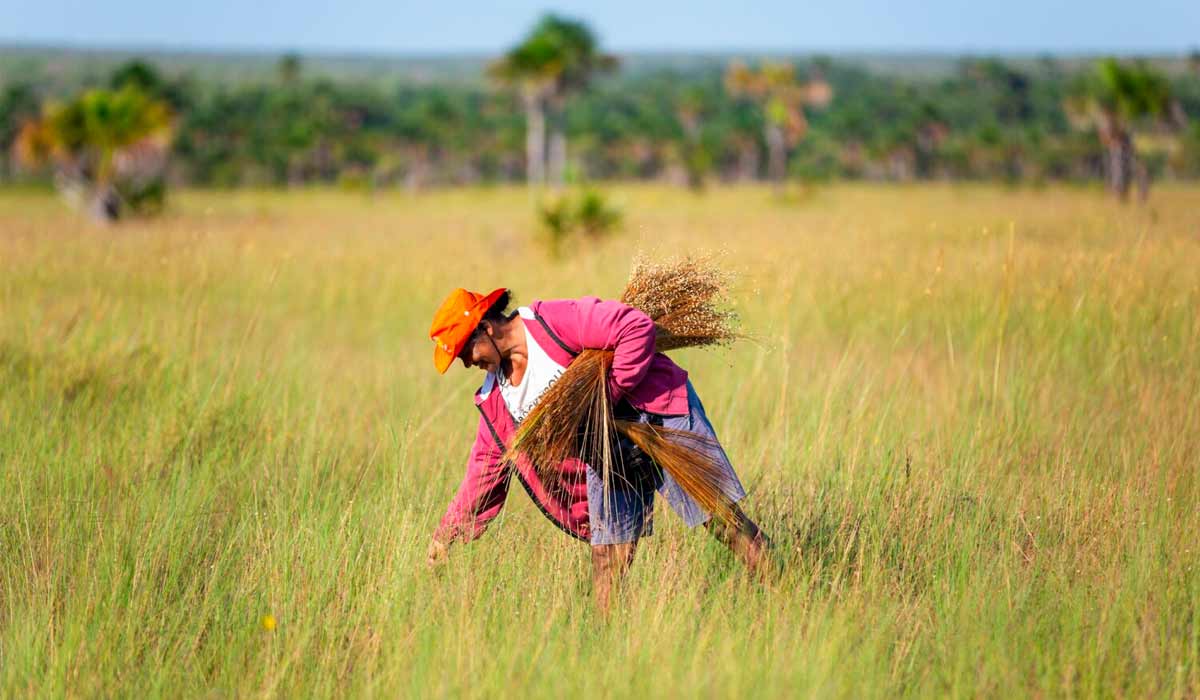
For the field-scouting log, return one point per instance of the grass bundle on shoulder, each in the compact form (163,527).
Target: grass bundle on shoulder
(688,302)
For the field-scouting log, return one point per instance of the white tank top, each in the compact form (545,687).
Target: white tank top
(540,373)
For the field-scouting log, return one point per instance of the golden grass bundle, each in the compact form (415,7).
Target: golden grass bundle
(686,299)
(690,459)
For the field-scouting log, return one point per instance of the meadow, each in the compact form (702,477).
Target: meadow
(968,417)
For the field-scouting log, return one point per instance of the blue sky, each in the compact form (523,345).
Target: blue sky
(396,26)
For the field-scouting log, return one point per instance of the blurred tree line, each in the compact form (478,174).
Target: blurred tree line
(986,121)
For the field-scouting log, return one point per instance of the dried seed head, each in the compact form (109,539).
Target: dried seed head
(687,299)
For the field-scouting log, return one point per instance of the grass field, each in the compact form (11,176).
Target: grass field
(969,419)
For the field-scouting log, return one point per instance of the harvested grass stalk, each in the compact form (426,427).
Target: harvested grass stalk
(569,419)
(574,418)
(690,459)
(686,301)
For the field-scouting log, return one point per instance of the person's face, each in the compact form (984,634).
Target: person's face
(480,351)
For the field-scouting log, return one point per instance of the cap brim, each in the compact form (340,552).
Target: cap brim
(442,359)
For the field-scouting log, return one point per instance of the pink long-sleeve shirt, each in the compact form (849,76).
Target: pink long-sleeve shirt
(648,380)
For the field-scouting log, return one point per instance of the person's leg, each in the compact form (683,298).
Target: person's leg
(609,564)
(745,539)
(742,535)
(619,514)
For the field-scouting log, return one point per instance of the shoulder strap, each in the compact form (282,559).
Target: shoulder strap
(545,327)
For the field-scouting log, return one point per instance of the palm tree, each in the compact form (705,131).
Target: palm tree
(557,58)
(689,112)
(95,138)
(1114,101)
(18,104)
(782,98)
(289,67)
(532,67)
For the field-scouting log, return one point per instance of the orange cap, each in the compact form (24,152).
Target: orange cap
(454,322)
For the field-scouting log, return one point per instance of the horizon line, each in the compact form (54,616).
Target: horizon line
(715,51)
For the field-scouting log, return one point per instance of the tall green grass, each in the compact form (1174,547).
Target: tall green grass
(969,419)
